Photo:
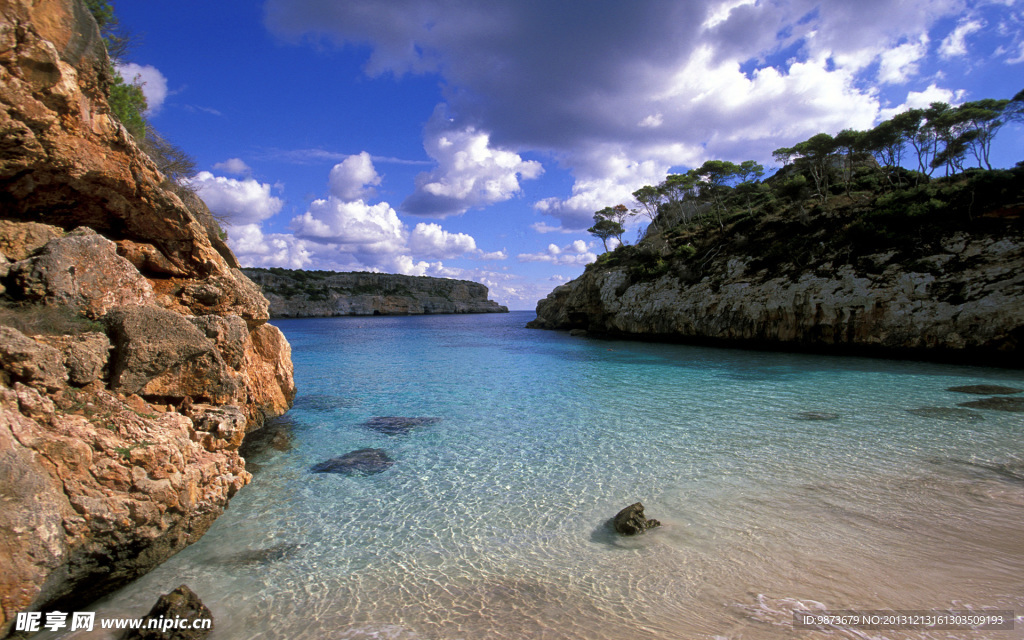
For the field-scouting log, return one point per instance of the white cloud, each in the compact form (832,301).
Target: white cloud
(667,82)
(898,65)
(609,179)
(922,100)
(350,178)
(955,44)
(366,231)
(234,166)
(253,248)
(239,202)
(574,253)
(431,241)
(469,173)
(154,84)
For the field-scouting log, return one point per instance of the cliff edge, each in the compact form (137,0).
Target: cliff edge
(930,272)
(134,354)
(309,294)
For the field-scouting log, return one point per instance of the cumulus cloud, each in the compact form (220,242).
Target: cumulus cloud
(574,253)
(234,166)
(353,178)
(239,202)
(153,83)
(605,180)
(343,231)
(253,248)
(901,63)
(469,173)
(431,241)
(668,82)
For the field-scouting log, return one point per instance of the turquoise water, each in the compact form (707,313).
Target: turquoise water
(491,522)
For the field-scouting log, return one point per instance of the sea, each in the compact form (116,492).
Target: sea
(783,483)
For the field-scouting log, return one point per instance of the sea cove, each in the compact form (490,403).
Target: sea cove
(783,482)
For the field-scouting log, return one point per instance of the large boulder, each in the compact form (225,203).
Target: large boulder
(85,355)
(22,359)
(159,353)
(19,240)
(83,272)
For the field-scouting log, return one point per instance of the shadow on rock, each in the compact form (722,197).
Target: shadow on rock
(398,425)
(362,462)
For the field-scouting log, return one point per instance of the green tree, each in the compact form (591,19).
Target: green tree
(650,199)
(605,228)
(715,176)
(981,120)
(749,173)
(679,191)
(128,103)
(818,155)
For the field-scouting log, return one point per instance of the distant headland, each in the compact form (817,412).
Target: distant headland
(294,293)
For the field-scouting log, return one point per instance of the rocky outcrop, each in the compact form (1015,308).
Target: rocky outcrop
(310,294)
(960,298)
(134,355)
(178,615)
(631,520)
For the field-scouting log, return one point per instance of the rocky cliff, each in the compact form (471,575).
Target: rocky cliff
(134,354)
(932,273)
(308,294)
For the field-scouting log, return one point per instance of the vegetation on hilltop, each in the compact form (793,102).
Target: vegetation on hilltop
(834,197)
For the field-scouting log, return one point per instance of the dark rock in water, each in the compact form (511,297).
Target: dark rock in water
(397,425)
(815,415)
(183,604)
(578,332)
(985,389)
(996,404)
(321,402)
(359,462)
(262,556)
(946,413)
(631,521)
(276,433)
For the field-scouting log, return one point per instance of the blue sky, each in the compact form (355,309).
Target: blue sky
(476,139)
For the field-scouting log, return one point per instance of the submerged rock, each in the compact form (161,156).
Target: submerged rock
(359,462)
(631,521)
(815,415)
(996,404)
(262,556)
(397,425)
(985,389)
(181,604)
(946,413)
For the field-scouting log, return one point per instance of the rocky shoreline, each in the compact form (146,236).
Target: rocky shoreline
(836,279)
(134,354)
(294,293)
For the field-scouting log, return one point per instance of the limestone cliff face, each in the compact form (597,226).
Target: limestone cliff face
(309,294)
(959,298)
(134,354)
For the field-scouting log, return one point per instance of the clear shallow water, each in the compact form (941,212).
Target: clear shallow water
(491,523)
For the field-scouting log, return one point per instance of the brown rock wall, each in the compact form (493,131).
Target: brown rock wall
(102,477)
